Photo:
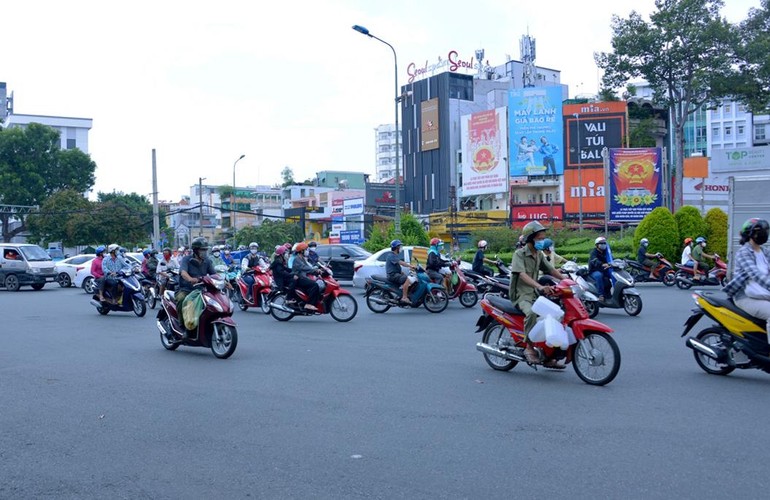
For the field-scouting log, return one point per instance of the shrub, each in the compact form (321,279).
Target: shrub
(499,239)
(690,223)
(716,232)
(660,227)
(412,233)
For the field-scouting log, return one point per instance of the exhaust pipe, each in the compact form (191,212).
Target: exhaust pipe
(378,300)
(686,280)
(281,307)
(488,349)
(95,303)
(696,345)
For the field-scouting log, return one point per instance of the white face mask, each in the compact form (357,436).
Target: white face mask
(215,254)
(305,253)
(254,251)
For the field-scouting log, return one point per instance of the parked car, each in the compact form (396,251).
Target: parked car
(341,259)
(24,264)
(84,279)
(67,268)
(375,264)
(56,254)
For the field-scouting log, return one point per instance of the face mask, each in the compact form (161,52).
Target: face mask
(602,246)
(761,238)
(216,254)
(703,245)
(540,245)
(202,254)
(645,245)
(306,252)
(253,251)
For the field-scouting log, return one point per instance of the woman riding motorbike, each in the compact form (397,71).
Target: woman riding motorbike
(301,268)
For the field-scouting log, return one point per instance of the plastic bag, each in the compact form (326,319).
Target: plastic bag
(455,279)
(555,334)
(192,307)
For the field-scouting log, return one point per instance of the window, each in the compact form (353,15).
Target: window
(71,144)
(384,255)
(323,252)
(759,132)
(715,132)
(728,130)
(741,130)
(337,251)
(700,133)
(728,109)
(742,108)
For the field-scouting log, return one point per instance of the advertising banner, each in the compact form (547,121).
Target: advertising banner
(592,190)
(429,125)
(522,214)
(590,128)
(353,206)
(635,183)
(353,237)
(740,160)
(535,127)
(484,141)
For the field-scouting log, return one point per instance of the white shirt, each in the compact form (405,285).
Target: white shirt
(762,264)
(686,254)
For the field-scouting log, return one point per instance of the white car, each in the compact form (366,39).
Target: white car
(67,268)
(375,264)
(84,279)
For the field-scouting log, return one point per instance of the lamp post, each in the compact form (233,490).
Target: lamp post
(200,205)
(396,100)
(580,175)
(232,197)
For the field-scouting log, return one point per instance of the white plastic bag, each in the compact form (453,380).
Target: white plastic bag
(537,334)
(555,334)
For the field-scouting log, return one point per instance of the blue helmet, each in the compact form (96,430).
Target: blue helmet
(395,244)
(100,249)
(146,252)
(700,239)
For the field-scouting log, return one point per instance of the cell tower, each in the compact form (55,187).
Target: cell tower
(527,48)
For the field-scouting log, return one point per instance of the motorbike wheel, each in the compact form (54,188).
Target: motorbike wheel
(632,304)
(469,299)
(153,300)
(669,279)
(494,333)
(375,307)
(711,337)
(64,280)
(592,308)
(140,307)
(171,346)
(596,359)
(89,285)
(238,299)
(103,310)
(436,300)
(224,340)
(280,300)
(264,303)
(344,308)
(681,284)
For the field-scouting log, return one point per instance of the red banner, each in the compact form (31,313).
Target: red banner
(521,214)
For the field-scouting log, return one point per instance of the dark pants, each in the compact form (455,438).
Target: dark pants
(110,285)
(485,271)
(550,165)
(598,279)
(435,276)
(310,288)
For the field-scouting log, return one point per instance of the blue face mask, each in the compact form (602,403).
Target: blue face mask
(540,245)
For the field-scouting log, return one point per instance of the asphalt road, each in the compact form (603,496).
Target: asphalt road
(399,405)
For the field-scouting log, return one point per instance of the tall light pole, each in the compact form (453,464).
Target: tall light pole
(580,174)
(232,196)
(396,100)
(200,204)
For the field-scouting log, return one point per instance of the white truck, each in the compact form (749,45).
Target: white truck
(749,197)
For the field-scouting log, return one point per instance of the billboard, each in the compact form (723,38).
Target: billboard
(353,206)
(755,159)
(484,143)
(353,237)
(635,183)
(535,127)
(588,182)
(522,214)
(591,127)
(429,125)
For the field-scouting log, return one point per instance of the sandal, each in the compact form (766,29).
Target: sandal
(532,357)
(553,364)
(404,301)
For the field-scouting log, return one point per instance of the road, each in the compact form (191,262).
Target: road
(398,405)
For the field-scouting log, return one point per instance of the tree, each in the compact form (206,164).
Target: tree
(60,219)
(287,174)
(716,232)
(751,84)
(33,167)
(412,233)
(269,234)
(659,226)
(682,52)
(690,224)
(122,218)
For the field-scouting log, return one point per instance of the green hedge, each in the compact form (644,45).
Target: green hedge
(690,224)
(716,232)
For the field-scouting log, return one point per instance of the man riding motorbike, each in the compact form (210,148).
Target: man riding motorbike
(479,260)
(192,269)
(250,261)
(111,265)
(312,256)
(301,269)
(216,257)
(526,266)
(165,264)
(750,286)
(697,257)
(598,267)
(645,258)
(227,258)
(282,275)
(436,266)
(397,277)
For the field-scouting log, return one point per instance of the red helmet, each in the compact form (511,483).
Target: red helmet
(280,250)
(435,242)
(301,247)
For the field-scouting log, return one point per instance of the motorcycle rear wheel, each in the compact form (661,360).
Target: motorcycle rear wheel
(681,284)
(469,299)
(153,299)
(592,308)
(376,307)
(280,300)
(669,279)
(264,304)
(223,346)
(436,301)
(711,337)
(600,365)
(494,333)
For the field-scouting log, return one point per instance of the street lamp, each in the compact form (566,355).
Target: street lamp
(396,100)
(232,196)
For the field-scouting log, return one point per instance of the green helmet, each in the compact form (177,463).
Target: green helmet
(531,229)
(199,244)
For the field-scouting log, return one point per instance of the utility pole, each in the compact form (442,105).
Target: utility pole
(200,205)
(580,175)
(155,212)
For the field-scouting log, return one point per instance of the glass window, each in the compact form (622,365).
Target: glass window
(759,132)
(71,144)
(741,130)
(728,130)
(337,251)
(715,132)
(728,109)
(384,255)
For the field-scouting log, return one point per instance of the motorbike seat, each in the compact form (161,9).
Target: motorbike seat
(730,305)
(504,305)
(504,281)
(380,277)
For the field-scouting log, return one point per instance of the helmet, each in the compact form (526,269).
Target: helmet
(531,229)
(644,241)
(146,252)
(700,239)
(280,250)
(181,250)
(199,244)
(154,251)
(395,244)
(253,244)
(547,243)
(600,239)
(301,247)
(756,229)
(482,244)
(294,247)
(687,241)
(112,248)
(435,242)
(287,246)
(166,249)
(227,251)
(122,250)
(312,244)
(100,249)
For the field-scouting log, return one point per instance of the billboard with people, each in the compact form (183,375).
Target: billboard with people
(535,125)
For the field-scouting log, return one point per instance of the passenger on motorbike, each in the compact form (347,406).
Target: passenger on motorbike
(397,277)
(145,259)
(550,254)
(97,272)
(166,263)
(152,265)
(282,275)
(750,286)
(227,258)
(251,261)
(644,258)
(192,269)
(111,266)
(526,266)
(598,267)
(312,256)
(479,260)
(698,255)
(436,267)
(216,256)
(301,270)
(686,260)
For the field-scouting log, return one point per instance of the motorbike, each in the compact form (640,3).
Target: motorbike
(231,277)
(715,277)
(126,296)
(736,340)
(578,274)
(381,294)
(150,290)
(663,273)
(623,294)
(594,355)
(464,289)
(334,300)
(497,284)
(216,329)
(260,291)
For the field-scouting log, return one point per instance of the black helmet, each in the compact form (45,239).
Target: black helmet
(756,229)
(199,244)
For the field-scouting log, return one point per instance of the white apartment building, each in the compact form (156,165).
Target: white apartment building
(729,126)
(385,152)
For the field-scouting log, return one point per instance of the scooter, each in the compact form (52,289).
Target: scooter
(623,296)
(497,284)
(381,294)
(594,354)
(716,275)
(663,273)
(126,296)
(578,274)
(334,300)
(461,287)
(216,329)
(735,340)
(260,290)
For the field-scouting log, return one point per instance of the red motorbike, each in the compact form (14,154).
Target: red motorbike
(594,355)
(715,277)
(461,287)
(334,300)
(260,291)
(216,329)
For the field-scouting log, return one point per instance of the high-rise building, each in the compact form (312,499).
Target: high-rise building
(385,152)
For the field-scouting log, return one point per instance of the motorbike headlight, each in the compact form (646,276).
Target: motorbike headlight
(576,290)
(213,303)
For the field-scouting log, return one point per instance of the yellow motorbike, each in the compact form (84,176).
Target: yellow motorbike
(737,340)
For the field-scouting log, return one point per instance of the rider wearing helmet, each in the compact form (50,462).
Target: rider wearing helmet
(479,260)
(250,261)
(750,286)
(226,257)
(686,260)
(697,255)
(145,258)
(527,263)
(312,256)
(192,269)
(301,269)
(550,254)
(97,272)
(111,265)
(216,257)
(166,262)
(436,266)
(281,273)
(396,276)
(644,258)
(598,267)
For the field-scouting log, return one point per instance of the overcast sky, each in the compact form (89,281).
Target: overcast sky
(285,83)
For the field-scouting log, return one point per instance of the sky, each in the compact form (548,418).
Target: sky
(283,83)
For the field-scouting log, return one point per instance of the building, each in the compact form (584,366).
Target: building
(337,179)
(253,204)
(729,126)
(73,132)
(385,152)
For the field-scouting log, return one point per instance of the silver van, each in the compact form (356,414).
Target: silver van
(23,264)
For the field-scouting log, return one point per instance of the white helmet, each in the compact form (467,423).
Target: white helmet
(600,239)
(254,244)
(644,241)
(482,243)
(112,248)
